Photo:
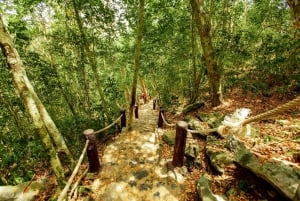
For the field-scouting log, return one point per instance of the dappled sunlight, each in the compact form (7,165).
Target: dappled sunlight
(132,169)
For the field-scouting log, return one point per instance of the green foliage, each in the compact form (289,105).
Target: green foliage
(267,139)
(261,51)
(19,154)
(254,44)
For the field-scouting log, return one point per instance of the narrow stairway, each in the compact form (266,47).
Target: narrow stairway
(132,169)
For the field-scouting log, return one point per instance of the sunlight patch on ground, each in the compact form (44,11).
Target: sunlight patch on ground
(131,170)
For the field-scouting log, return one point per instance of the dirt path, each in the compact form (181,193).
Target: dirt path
(132,169)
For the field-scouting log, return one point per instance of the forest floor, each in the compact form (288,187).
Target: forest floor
(277,137)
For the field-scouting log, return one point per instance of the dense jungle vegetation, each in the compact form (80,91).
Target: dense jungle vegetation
(86,60)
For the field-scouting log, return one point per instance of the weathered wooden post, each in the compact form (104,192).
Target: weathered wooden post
(136,111)
(160,122)
(92,153)
(154,104)
(123,118)
(180,140)
(157,102)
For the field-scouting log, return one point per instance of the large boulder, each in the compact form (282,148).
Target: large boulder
(219,157)
(284,177)
(213,119)
(169,137)
(21,192)
(192,107)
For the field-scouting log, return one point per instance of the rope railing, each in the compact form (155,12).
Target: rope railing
(91,149)
(109,126)
(162,120)
(165,122)
(278,110)
(182,128)
(75,171)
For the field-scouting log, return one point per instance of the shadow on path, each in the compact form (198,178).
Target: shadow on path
(131,166)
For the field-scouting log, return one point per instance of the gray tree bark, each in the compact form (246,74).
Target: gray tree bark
(40,118)
(204,28)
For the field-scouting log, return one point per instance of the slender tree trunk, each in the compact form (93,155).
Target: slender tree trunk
(144,89)
(13,112)
(204,28)
(137,62)
(29,98)
(295,10)
(84,84)
(60,86)
(90,57)
(197,73)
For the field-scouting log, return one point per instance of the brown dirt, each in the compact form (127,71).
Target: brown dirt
(276,139)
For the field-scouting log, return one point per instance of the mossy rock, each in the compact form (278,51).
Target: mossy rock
(213,119)
(169,137)
(192,107)
(192,150)
(282,176)
(204,191)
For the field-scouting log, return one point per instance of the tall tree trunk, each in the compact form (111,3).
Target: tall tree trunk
(197,73)
(90,57)
(136,62)
(213,71)
(295,8)
(30,99)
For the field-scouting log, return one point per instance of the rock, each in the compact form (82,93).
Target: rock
(19,193)
(213,119)
(118,191)
(218,160)
(285,178)
(218,156)
(192,107)
(132,169)
(192,150)
(196,125)
(140,174)
(204,191)
(169,137)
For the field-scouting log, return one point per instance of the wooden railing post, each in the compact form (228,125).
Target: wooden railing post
(92,153)
(180,140)
(154,104)
(123,118)
(160,122)
(136,111)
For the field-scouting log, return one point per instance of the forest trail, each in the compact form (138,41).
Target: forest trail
(132,168)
